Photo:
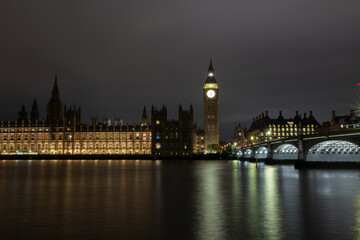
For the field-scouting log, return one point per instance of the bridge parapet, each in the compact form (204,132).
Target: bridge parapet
(302,145)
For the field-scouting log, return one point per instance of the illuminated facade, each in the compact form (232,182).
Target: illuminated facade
(264,128)
(199,141)
(42,138)
(63,133)
(211,120)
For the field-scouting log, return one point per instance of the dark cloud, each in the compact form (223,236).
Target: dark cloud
(112,57)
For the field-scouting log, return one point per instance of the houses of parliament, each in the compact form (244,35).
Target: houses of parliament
(63,133)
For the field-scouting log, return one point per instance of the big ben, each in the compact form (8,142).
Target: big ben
(211,102)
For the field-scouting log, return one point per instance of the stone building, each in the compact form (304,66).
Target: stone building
(240,136)
(265,129)
(211,116)
(63,133)
(172,138)
(344,121)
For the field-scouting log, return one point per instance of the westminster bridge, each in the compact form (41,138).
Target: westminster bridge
(336,146)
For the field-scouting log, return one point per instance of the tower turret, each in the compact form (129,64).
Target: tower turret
(211,102)
(144,118)
(54,107)
(23,114)
(34,114)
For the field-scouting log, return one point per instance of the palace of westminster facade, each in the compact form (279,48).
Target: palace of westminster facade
(63,132)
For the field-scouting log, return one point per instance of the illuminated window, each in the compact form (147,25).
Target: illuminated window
(157,122)
(157,145)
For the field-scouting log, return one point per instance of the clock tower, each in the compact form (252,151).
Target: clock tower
(211,102)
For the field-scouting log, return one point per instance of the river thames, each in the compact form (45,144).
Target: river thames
(133,199)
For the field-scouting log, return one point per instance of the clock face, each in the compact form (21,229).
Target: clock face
(210,93)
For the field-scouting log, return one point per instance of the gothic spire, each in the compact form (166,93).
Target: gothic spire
(22,115)
(144,112)
(211,68)
(34,106)
(55,107)
(34,114)
(211,74)
(55,91)
(144,119)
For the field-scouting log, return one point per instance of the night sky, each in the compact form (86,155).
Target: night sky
(114,57)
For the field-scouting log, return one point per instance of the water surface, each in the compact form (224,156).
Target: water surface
(132,199)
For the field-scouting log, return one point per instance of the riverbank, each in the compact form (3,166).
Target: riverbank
(114,156)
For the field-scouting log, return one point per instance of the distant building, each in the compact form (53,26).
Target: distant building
(240,136)
(264,128)
(345,121)
(63,133)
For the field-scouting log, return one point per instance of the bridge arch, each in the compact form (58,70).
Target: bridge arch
(334,151)
(285,152)
(261,152)
(247,153)
(239,153)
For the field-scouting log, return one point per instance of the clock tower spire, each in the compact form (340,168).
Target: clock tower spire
(211,102)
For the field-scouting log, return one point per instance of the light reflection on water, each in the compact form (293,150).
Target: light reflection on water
(357,225)
(125,199)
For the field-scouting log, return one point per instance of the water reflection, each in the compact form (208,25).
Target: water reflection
(357,225)
(124,199)
(254,203)
(209,205)
(273,218)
